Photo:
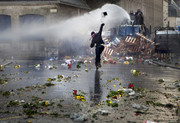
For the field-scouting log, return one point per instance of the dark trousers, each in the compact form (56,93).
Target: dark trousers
(99,50)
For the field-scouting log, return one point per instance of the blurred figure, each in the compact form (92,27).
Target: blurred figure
(139,19)
(132,16)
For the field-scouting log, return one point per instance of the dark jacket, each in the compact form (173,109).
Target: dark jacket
(97,39)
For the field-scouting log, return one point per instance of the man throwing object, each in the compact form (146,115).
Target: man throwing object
(97,39)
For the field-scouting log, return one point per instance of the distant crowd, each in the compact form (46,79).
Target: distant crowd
(137,17)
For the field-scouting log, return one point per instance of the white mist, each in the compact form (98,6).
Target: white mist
(74,31)
(78,28)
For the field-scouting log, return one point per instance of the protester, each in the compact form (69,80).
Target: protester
(139,20)
(132,16)
(97,39)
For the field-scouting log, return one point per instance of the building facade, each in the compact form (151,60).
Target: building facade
(157,13)
(173,13)
(152,10)
(14,13)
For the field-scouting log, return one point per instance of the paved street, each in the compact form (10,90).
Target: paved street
(27,82)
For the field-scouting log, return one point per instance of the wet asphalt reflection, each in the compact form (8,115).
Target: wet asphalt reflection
(96,91)
(93,83)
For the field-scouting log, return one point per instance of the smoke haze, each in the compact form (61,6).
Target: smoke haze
(75,30)
(80,27)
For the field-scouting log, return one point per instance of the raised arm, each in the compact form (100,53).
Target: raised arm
(101,28)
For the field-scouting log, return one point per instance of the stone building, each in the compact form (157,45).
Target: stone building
(156,13)
(173,13)
(152,10)
(14,13)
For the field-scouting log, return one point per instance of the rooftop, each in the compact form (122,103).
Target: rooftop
(75,3)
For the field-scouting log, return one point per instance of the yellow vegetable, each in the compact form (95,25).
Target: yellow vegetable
(78,97)
(134,72)
(46,103)
(82,99)
(126,62)
(17,66)
(109,102)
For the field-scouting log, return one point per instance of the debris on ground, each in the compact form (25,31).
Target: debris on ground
(78,66)
(136,72)
(79,96)
(78,117)
(149,121)
(120,98)
(86,70)
(37,66)
(140,107)
(17,66)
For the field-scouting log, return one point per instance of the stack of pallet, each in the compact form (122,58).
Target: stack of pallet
(136,45)
(147,45)
(139,44)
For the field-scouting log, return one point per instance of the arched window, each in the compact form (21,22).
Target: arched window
(172,12)
(27,22)
(5,22)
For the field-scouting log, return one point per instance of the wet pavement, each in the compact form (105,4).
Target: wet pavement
(86,81)
(95,84)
